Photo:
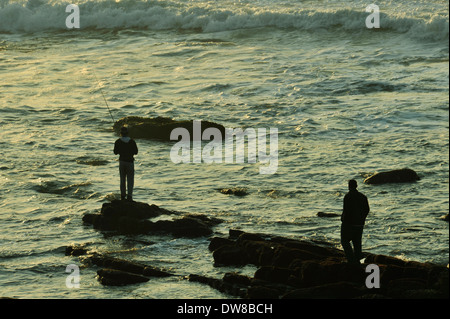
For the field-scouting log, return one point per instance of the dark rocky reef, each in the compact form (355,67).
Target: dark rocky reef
(120,272)
(237,191)
(405,175)
(127,217)
(114,277)
(264,250)
(116,271)
(286,268)
(159,128)
(323,214)
(303,269)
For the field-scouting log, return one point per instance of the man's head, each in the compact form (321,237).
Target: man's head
(124,131)
(352,184)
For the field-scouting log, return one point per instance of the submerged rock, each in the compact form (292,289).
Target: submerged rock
(120,272)
(127,266)
(160,127)
(92,161)
(115,271)
(323,214)
(127,217)
(76,250)
(114,277)
(237,191)
(405,175)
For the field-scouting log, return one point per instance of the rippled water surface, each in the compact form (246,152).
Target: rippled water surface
(347,102)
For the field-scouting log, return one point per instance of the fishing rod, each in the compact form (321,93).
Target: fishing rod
(104,97)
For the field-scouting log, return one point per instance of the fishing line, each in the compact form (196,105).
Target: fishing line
(104,97)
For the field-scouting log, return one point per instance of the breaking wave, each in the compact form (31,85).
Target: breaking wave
(50,15)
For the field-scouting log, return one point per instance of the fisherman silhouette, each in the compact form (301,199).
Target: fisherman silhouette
(126,147)
(356,208)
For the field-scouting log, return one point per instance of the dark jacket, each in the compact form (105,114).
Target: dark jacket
(356,208)
(127,148)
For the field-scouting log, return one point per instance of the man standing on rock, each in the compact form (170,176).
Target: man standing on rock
(356,208)
(126,147)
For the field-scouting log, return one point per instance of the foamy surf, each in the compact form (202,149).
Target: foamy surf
(40,15)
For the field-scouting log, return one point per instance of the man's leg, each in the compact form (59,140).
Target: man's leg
(130,180)
(123,174)
(357,242)
(345,242)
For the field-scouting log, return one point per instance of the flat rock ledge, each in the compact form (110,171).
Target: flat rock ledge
(126,217)
(300,269)
(116,271)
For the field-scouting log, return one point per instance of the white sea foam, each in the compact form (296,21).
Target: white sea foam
(40,15)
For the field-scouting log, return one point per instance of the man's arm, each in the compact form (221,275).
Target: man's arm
(366,207)
(116,148)
(135,151)
(345,208)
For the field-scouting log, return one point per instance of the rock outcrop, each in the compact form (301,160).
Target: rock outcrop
(286,268)
(127,217)
(291,268)
(237,191)
(405,175)
(114,277)
(159,128)
(323,214)
(116,271)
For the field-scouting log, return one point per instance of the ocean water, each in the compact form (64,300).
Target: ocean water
(347,101)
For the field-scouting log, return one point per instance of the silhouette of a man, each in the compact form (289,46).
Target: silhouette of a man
(356,208)
(126,147)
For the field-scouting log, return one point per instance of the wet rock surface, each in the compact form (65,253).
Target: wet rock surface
(127,217)
(159,128)
(324,214)
(237,191)
(115,271)
(287,268)
(308,270)
(405,175)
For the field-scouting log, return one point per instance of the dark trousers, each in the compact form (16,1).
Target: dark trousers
(350,233)
(126,170)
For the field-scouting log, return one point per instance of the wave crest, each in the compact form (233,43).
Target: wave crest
(41,15)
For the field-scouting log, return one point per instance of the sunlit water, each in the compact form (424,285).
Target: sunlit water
(347,102)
